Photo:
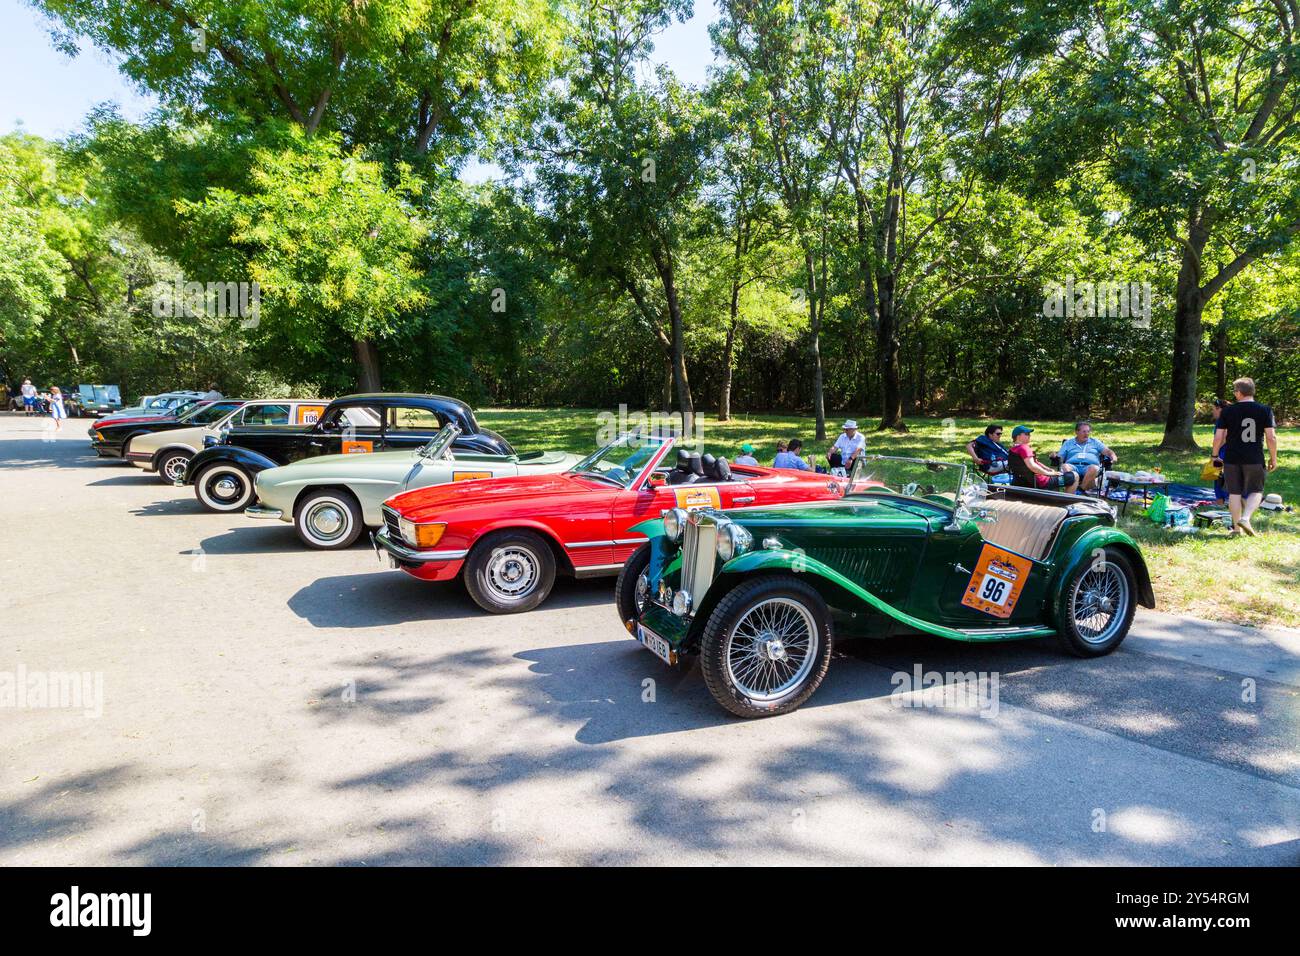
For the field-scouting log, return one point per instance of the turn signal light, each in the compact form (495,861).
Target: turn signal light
(428,535)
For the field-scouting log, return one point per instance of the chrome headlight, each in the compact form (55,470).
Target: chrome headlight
(674,523)
(732,540)
(681,603)
(408,529)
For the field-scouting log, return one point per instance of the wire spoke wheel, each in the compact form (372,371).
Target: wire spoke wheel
(1099,603)
(771,648)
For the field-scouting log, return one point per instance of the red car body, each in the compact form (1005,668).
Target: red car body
(585,519)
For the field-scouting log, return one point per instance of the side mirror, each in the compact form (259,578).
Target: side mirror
(657,479)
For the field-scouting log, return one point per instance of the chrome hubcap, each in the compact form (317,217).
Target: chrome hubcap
(1100,603)
(225,488)
(642,592)
(175,468)
(512,572)
(326,520)
(771,649)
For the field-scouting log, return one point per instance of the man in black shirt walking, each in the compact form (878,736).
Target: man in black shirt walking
(1239,437)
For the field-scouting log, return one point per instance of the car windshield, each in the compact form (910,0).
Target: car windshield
(620,461)
(439,443)
(934,481)
(204,414)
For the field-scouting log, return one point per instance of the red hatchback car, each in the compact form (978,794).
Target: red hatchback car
(510,536)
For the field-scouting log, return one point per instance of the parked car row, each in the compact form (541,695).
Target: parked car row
(753,571)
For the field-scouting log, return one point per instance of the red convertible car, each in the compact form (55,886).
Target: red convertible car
(510,536)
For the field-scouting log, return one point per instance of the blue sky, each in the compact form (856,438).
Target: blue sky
(50,95)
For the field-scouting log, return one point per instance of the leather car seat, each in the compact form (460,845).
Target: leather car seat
(721,469)
(1022,526)
(688,468)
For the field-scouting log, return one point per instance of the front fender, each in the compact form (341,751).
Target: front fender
(250,461)
(1082,550)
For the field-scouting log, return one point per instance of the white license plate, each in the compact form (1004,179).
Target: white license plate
(656,644)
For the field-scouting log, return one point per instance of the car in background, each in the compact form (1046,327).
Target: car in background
(507,538)
(114,437)
(222,473)
(331,499)
(168,451)
(168,403)
(98,400)
(759,595)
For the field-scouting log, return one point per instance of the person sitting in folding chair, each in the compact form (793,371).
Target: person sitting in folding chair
(991,456)
(1085,455)
(1026,472)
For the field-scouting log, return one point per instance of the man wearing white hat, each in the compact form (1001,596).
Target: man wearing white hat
(848,447)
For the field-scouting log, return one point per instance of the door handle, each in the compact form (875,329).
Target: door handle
(958,566)
(743,499)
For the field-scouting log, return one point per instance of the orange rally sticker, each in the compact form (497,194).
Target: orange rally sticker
(309,414)
(996,584)
(469,475)
(692,498)
(358,447)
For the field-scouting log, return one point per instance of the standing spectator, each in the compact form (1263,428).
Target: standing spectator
(57,411)
(746,456)
(1041,475)
(1084,454)
(989,453)
(1239,437)
(848,447)
(791,459)
(29,397)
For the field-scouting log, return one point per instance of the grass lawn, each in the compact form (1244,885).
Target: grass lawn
(1248,581)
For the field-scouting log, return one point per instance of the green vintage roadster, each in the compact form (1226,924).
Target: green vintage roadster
(759,594)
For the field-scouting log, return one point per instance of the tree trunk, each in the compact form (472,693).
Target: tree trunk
(682,385)
(1188,308)
(367,365)
(1221,359)
(887,345)
(816,291)
(724,400)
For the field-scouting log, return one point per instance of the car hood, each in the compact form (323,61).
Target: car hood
(856,511)
(423,504)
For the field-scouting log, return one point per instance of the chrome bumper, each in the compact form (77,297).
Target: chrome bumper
(262,511)
(402,552)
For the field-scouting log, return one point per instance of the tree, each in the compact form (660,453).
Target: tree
(619,167)
(329,242)
(1193,107)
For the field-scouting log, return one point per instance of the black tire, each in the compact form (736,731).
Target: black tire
(628,596)
(212,494)
(510,571)
(787,592)
(1110,576)
(172,465)
(328,519)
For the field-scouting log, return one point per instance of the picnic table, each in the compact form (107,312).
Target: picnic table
(1131,484)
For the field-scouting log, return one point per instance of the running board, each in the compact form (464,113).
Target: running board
(1003,633)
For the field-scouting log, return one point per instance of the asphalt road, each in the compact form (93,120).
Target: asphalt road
(262,704)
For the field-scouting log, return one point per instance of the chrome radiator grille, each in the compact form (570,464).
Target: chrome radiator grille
(394,529)
(699,552)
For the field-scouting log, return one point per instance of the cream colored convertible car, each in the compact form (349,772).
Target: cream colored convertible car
(168,452)
(331,499)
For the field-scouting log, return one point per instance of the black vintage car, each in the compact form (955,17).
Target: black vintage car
(222,474)
(112,438)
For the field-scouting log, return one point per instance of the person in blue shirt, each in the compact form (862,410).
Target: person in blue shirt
(790,458)
(991,455)
(1082,454)
(746,456)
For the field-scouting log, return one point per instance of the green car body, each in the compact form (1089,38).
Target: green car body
(331,499)
(880,562)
